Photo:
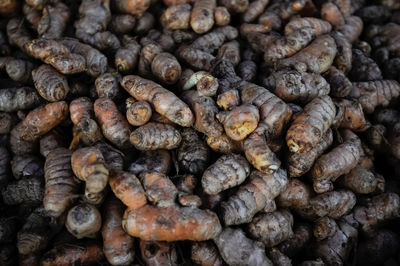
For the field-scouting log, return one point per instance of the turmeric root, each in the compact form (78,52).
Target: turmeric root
(127,57)
(205,83)
(26,166)
(228,171)
(163,101)
(380,208)
(317,57)
(128,189)
(294,86)
(85,128)
(324,227)
(273,111)
(237,249)
(5,175)
(176,17)
(301,163)
(343,59)
(224,144)
(15,99)
(18,34)
(254,10)
(206,254)
(360,180)
(134,8)
(235,6)
(301,236)
(318,26)
(296,195)
(160,190)
(20,146)
(353,28)
(372,94)
(83,220)
(57,55)
(54,20)
(35,234)
(166,68)
(91,25)
(89,166)
(185,223)
(228,99)
(107,86)
(20,70)
(221,16)
(85,253)
(158,253)
(193,153)
(122,23)
(61,185)
(41,120)
(305,133)
(202,16)
(154,136)
(336,249)
(334,204)
(50,84)
(195,58)
(153,160)
(137,113)
(272,228)
(340,85)
(113,124)
(329,167)
(117,245)
(240,121)
(96,62)
(205,110)
(253,196)
(257,151)
(332,14)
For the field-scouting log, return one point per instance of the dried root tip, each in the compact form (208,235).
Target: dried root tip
(138,113)
(50,84)
(224,144)
(154,136)
(128,189)
(228,171)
